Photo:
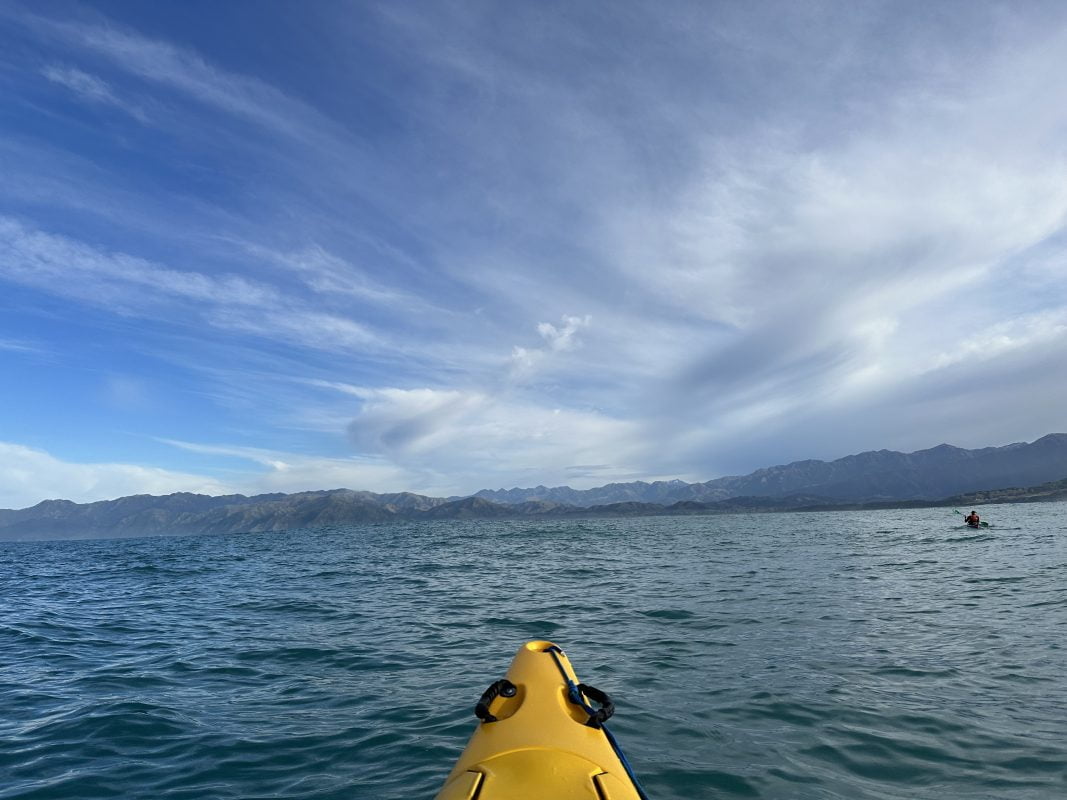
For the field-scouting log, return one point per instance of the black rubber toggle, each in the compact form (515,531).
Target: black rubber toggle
(502,688)
(607,708)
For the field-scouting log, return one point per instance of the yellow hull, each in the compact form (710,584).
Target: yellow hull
(536,742)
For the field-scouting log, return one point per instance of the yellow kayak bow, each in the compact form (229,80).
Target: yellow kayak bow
(539,737)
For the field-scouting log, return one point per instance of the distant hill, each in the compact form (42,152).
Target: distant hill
(1045,493)
(183,513)
(883,479)
(873,476)
(148,515)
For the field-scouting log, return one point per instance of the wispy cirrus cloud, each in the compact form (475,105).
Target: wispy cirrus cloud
(328,274)
(50,261)
(90,88)
(180,69)
(21,346)
(138,287)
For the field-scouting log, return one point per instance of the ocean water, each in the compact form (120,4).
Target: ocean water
(834,655)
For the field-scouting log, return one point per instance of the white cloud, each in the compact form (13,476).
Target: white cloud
(839,269)
(29,475)
(294,472)
(471,439)
(526,361)
(747,271)
(563,338)
(1000,340)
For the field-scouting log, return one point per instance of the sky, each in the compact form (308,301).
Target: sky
(446,246)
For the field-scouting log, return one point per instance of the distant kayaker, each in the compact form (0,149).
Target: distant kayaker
(972,519)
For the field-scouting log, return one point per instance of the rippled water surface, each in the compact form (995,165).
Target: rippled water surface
(835,655)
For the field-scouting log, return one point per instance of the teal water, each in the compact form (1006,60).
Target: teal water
(833,655)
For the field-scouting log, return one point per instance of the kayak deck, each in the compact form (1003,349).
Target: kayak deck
(539,738)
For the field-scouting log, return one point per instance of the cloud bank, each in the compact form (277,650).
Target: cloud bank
(29,475)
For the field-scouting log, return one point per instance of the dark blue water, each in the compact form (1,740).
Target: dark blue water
(836,655)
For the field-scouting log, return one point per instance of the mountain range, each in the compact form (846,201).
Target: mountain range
(866,477)
(943,475)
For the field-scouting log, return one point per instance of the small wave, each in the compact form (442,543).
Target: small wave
(915,672)
(355,658)
(119,680)
(274,606)
(669,613)
(1018,677)
(1046,603)
(25,637)
(694,782)
(531,626)
(779,710)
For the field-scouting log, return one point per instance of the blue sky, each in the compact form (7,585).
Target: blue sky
(440,247)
